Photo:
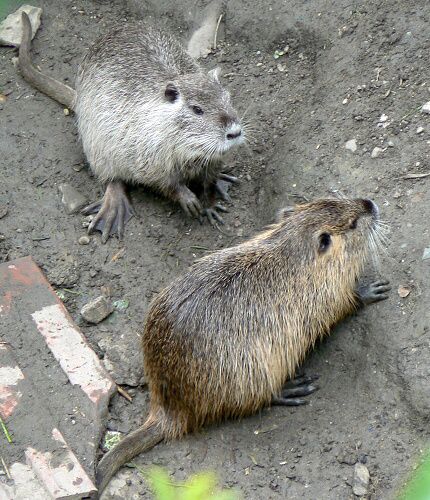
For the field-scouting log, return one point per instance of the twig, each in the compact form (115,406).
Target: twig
(5,468)
(124,394)
(198,247)
(216,30)
(6,432)
(71,291)
(415,176)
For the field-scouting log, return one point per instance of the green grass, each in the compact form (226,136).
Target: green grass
(418,485)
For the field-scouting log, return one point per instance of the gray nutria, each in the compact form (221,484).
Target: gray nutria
(147,114)
(222,340)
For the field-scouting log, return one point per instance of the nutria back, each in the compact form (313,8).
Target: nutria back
(222,340)
(147,113)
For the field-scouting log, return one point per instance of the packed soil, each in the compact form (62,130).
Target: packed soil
(351,70)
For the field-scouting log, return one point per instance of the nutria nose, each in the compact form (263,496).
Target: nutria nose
(234,131)
(371,207)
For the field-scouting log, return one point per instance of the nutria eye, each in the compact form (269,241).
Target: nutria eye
(353,224)
(325,240)
(197,110)
(171,92)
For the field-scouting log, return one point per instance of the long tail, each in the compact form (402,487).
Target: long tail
(136,442)
(53,88)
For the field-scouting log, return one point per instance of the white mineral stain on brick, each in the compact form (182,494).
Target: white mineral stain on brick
(25,484)
(67,479)
(70,349)
(10,375)
(9,394)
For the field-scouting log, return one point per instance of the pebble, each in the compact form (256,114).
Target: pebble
(84,240)
(376,152)
(361,479)
(351,145)
(426,253)
(383,118)
(97,310)
(390,144)
(72,199)
(420,130)
(426,108)
(10,28)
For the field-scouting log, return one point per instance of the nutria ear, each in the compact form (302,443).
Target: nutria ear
(284,213)
(215,73)
(171,92)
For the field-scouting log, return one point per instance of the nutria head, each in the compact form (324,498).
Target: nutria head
(206,125)
(334,237)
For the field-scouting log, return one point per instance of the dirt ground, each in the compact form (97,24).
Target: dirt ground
(354,70)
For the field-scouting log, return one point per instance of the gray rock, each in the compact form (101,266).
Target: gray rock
(72,199)
(361,479)
(426,108)
(426,253)
(376,152)
(123,359)
(351,145)
(97,310)
(202,40)
(420,130)
(11,29)
(84,240)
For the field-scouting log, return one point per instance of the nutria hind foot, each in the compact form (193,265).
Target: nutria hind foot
(113,211)
(299,386)
(223,184)
(374,292)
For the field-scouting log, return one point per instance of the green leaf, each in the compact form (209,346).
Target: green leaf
(161,485)
(199,486)
(418,486)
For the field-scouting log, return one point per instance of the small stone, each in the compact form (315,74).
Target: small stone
(426,108)
(97,310)
(351,145)
(345,101)
(259,64)
(403,291)
(361,479)
(66,112)
(376,152)
(281,67)
(426,253)
(84,240)
(72,199)
(11,29)
(247,177)
(383,118)
(390,144)
(420,130)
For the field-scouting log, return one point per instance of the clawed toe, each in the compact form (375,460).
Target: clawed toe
(299,386)
(112,212)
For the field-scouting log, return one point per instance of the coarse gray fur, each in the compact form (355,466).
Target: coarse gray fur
(130,130)
(136,94)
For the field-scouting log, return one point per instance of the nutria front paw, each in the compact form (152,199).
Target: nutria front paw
(188,201)
(299,386)
(222,186)
(374,292)
(113,211)
(213,216)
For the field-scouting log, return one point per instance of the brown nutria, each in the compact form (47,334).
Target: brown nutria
(147,114)
(222,340)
